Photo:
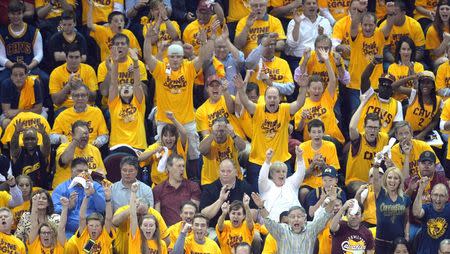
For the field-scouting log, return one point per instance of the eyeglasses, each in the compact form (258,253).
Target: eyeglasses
(80,95)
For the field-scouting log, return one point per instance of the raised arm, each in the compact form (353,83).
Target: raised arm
(297,178)
(213,209)
(138,91)
(354,26)
(376,176)
(149,59)
(263,179)
(365,77)
(331,75)
(389,20)
(34,230)
(108,208)
(353,126)
(88,191)
(417,209)
(15,148)
(406,147)
(220,222)
(241,39)
(334,226)
(302,83)
(178,248)
(90,20)
(133,213)
(181,130)
(248,212)
(63,221)
(46,146)
(112,60)
(241,85)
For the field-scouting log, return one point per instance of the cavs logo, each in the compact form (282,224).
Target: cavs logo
(270,128)
(127,114)
(369,50)
(256,31)
(436,227)
(175,86)
(354,245)
(222,155)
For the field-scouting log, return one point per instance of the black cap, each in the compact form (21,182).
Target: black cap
(330,171)
(427,156)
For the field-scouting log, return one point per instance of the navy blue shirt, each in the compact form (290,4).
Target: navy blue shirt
(10,94)
(314,196)
(391,216)
(435,228)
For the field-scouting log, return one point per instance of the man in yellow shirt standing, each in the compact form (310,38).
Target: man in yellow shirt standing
(9,243)
(270,125)
(174,85)
(256,23)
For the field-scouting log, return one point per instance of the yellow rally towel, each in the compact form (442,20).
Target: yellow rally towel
(27,97)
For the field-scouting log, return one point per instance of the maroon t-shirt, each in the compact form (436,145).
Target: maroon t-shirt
(348,240)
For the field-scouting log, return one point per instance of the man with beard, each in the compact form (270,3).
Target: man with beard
(270,125)
(406,153)
(350,236)
(363,147)
(381,103)
(258,22)
(31,159)
(187,211)
(78,147)
(434,217)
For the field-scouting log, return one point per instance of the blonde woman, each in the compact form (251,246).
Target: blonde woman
(392,209)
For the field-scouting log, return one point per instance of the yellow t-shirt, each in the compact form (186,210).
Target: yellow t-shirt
(430,5)
(125,71)
(5,197)
(328,152)
(208,112)
(270,24)
(29,119)
(11,244)
(433,41)
(281,3)
(103,36)
(192,247)
(103,244)
(174,232)
(192,30)
(401,71)
(36,247)
(323,110)
(237,9)
(127,123)
(218,153)
(270,246)
(369,47)
(60,77)
(418,147)
(19,210)
(315,67)
(370,208)
(380,9)
(93,116)
(123,230)
(270,130)
(231,236)
(163,35)
(443,77)
(245,121)
(325,240)
(278,71)
(218,67)
(420,118)
(100,9)
(445,116)
(135,243)
(337,8)
(386,112)
(341,31)
(174,91)
(90,153)
(410,28)
(56,10)
(156,176)
(358,166)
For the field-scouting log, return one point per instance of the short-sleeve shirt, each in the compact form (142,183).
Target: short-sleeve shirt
(410,28)
(391,216)
(349,240)
(170,199)
(134,245)
(314,195)
(103,36)
(434,229)
(192,247)
(103,244)
(58,43)
(37,247)
(11,244)
(190,33)
(231,236)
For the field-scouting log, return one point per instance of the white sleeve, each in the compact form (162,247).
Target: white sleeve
(326,13)
(3,58)
(412,96)
(399,116)
(284,88)
(290,40)
(327,27)
(263,179)
(296,179)
(442,125)
(37,48)
(129,4)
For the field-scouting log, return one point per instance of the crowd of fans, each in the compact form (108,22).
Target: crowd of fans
(228,126)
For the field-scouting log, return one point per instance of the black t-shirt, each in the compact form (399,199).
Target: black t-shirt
(34,165)
(58,43)
(211,193)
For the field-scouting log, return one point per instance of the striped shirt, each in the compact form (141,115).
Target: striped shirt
(290,242)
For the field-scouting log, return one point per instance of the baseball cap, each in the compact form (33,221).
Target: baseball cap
(427,74)
(388,77)
(330,171)
(213,78)
(427,156)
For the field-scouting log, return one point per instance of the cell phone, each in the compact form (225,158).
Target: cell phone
(89,245)
(97,177)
